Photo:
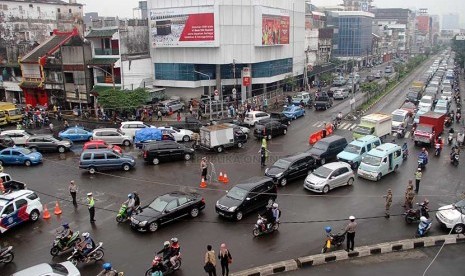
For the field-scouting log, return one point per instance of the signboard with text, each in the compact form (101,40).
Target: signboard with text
(246,77)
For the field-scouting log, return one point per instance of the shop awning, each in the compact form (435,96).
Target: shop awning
(101,33)
(102,61)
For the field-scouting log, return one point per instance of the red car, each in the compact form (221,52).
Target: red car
(100,144)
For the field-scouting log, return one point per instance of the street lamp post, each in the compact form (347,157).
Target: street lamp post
(209,91)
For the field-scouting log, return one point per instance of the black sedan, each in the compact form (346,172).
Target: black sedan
(167,208)
(291,167)
(269,129)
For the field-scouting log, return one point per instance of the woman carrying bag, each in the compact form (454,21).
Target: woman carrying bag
(225,259)
(210,261)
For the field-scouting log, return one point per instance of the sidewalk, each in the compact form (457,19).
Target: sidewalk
(363,251)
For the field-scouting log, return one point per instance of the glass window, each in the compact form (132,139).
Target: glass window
(20,203)
(15,153)
(172,205)
(8,209)
(112,156)
(86,156)
(32,196)
(182,200)
(7,152)
(99,156)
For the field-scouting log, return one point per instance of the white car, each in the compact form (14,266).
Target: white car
(50,269)
(180,135)
(446,95)
(18,136)
(426,102)
(129,128)
(253,117)
(453,217)
(18,207)
(341,93)
(246,130)
(329,176)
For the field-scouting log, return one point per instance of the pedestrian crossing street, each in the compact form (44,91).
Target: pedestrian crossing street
(347,126)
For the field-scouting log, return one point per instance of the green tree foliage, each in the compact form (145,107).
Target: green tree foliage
(459,47)
(327,77)
(370,87)
(122,99)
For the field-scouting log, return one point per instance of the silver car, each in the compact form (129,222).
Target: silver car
(111,136)
(329,176)
(64,268)
(341,93)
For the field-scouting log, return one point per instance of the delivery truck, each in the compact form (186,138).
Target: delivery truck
(377,124)
(221,136)
(431,125)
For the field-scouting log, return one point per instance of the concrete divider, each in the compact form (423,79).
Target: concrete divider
(362,251)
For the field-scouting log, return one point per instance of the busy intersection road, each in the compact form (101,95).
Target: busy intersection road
(304,214)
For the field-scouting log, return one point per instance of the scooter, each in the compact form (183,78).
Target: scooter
(450,138)
(6,255)
(262,228)
(164,267)
(332,240)
(122,215)
(59,247)
(454,159)
(95,255)
(414,215)
(423,227)
(422,161)
(437,151)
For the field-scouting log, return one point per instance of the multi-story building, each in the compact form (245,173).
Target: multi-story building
(352,38)
(357,5)
(450,21)
(209,43)
(120,53)
(398,18)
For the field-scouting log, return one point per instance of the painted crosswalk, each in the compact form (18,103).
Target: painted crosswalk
(343,125)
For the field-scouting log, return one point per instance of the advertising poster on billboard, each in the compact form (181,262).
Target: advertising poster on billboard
(275,25)
(184,27)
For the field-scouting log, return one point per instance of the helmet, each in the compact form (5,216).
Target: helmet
(85,235)
(328,229)
(275,205)
(174,240)
(352,218)
(439,138)
(426,201)
(129,195)
(65,225)
(166,243)
(423,219)
(107,266)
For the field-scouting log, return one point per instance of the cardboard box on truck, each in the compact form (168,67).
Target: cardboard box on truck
(220,136)
(377,124)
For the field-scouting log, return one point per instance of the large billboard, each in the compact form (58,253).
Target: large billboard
(275,25)
(184,27)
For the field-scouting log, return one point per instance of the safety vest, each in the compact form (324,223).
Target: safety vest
(91,202)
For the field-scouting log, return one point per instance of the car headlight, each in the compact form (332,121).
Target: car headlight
(279,175)
(232,209)
(217,203)
(143,223)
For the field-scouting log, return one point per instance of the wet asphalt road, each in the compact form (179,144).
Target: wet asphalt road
(301,232)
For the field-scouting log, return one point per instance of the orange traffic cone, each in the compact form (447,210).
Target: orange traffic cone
(225,179)
(57,209)
(46,213)
(221,178)
(203,184)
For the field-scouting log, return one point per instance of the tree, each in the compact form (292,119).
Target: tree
(122,100)
(290,82)
(370,88)
(327,77)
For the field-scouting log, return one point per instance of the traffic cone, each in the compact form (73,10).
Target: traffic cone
(221,178)
(225,179)
(46,214)
(57,209)
(203,184)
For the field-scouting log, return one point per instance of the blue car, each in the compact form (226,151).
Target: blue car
(76,134)
(293,112)
(19,156)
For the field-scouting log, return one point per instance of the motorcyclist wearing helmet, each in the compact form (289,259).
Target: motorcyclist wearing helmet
(130,203)
(107,270)
(166,251)
(269,216)
(87,245)
(136,200)
(65,233)
(424,208)
(440,142)
(276,211)
(175,251)
(339,117)
(424,223)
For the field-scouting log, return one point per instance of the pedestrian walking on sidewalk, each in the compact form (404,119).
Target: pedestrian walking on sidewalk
(225,259)
(388,198)
(73,189)
(418,176)
(350,230)
(91,207)
(210,261)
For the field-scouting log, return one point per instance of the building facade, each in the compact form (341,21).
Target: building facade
(450,21)
(208,44)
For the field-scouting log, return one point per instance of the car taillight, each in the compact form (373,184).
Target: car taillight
(203,200)
(145,154)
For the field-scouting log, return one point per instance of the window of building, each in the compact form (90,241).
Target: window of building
(38,9)
(20,8)
(70,11)
(31,6)
(5,7)
(69,77)
(58,10)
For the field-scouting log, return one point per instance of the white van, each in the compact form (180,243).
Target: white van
(400,119)
(253,117)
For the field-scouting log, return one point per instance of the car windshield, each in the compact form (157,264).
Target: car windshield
(426,100)
(237,193)
(14,112)
(353,149)
(424,128)
(322,172)
(159,204)
(25,151)
(447,93)
(58,269)
(283,164)
(398,118)
(321,145)
(362,130)
(441,108)
(459,206)
(288,109)
(371,160)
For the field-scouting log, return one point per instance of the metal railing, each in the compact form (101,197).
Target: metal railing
(108,79)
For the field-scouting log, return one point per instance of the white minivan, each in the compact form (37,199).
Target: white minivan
(253,117)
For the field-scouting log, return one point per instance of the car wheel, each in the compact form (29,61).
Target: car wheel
(325,189)
(395,168)
(1,163)
(92,170)
(289,123)
(155,161)
(194,212)
(90,138)
(186,138)
(27,163)
(126,167)
(283,182)
(61,149)
(126,143)
(323,161)
(239,145)
(459,229)
(295,118)
(33,149)
(268,137)
(187,157)
(378,177)
(34,215)
(285,131)
(219,149)
(350,181)
(153,226)
(239,216)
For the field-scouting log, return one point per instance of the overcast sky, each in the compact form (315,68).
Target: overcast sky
(124,8)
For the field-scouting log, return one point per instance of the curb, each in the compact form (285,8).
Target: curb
(340,255)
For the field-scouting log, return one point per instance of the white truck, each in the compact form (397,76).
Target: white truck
(377,124)
(221,136)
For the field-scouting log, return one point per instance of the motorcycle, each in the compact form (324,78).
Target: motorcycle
(450,138)
(59,247)
(333,240)
(454,159)
(405,154)
(122,215)
(458,116)
(164,267)
(399,133)
(423,227)
(422,161)
(437,151)
(414,215)
(96,255)
(6,255)
(261,227)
